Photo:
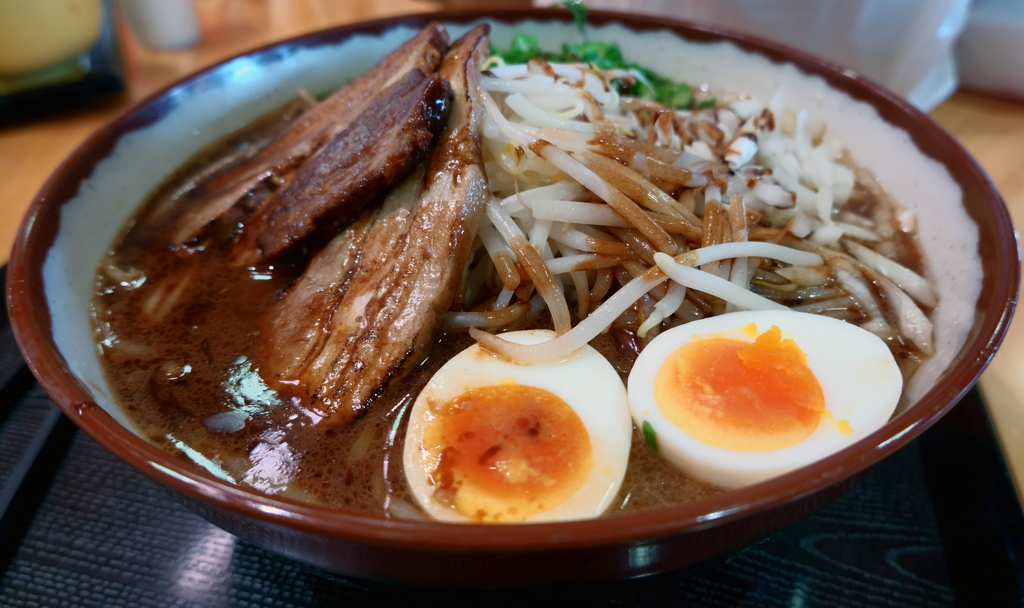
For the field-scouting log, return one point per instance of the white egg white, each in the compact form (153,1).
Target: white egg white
(587,383)
(859,378)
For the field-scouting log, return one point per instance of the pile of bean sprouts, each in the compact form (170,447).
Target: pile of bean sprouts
(649,217)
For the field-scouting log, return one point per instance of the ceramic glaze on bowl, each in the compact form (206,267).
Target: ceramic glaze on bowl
(964,228)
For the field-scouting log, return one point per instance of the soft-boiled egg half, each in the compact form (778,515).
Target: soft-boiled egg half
(492,440)
(743,397)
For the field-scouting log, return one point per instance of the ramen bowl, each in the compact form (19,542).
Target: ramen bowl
(965,233)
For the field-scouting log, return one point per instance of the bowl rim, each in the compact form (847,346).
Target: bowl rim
(30,321)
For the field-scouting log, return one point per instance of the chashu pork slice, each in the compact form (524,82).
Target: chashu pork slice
(379,148)
(394,299)
(298,324)
(273,164)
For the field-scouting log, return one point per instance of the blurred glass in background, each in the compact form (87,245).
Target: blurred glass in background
(44,40)
(55,53)
(163,24)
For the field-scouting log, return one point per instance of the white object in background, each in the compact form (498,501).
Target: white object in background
(905,45)
(163,24)
(990,52)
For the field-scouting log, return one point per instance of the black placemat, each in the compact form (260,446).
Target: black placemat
(936,524)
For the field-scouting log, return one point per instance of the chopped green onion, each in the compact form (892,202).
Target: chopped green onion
(602,54)
(605,56)
(579,12)
(524,47)
(678,96)
(707,103)
(650,437)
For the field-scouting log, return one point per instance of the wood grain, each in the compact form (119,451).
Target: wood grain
(991,129)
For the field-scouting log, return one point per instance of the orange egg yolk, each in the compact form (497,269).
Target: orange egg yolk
(738,395)
(506,452)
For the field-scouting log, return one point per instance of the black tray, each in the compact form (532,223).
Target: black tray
(936,524)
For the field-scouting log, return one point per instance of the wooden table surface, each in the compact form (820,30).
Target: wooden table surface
(991,129)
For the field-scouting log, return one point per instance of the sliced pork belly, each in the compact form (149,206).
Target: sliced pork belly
(298,323)
(275,163)
(300,318)
(383,144)
(409,269)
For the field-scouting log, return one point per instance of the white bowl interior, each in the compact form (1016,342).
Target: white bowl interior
(144,158)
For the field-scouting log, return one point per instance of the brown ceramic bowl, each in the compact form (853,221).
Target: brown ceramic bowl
(80,209)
